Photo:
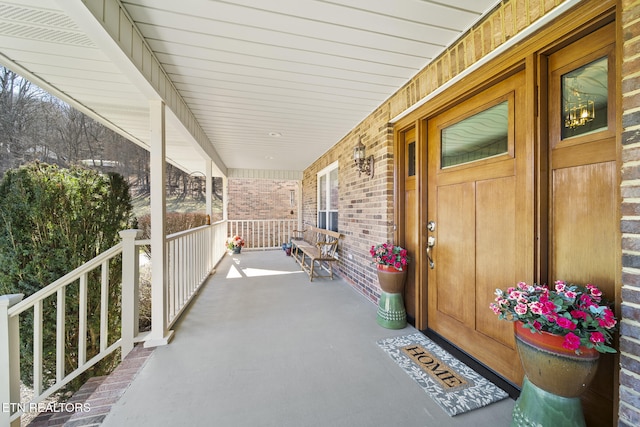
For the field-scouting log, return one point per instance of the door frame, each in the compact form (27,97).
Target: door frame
(419,258)
(583,19)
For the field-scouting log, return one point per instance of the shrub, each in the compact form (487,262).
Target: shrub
(53,220)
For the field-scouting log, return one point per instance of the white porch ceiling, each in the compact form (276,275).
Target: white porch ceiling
(307,70)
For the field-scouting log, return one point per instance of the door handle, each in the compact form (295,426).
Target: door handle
(431,242)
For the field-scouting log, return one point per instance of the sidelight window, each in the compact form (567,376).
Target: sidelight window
(585,96)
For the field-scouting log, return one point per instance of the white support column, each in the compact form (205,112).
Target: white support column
(225,198)
(300,226)
(9,360)
(130,289)
(208,171)
(160,335)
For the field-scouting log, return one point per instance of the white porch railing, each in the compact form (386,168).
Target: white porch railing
(191,256)
(263,233)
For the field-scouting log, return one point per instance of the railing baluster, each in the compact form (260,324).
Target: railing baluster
(171,282)
(180,270)
(82,321)
(104,305)
(192,262)
(167,290)
(173,271)
(186,272)
(190,265)
(37,348)
(60,332)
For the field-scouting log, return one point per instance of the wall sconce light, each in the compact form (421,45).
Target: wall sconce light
(363,163)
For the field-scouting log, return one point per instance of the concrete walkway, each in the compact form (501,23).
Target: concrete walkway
(262,346)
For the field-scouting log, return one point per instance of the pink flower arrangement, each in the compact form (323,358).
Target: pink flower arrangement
(388,254)
(578,313)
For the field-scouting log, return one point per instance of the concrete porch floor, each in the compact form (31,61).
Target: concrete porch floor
(263,346)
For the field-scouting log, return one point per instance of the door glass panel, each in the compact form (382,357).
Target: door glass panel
(482,135)
(411,159)
(585,99)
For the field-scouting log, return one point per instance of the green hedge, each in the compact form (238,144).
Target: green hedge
(52,220)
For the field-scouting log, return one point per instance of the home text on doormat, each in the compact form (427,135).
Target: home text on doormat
(436,368)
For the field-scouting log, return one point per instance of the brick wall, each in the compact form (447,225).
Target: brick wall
(629,409)
(366,205)
(262,199)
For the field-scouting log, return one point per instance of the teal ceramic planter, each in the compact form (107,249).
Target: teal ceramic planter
(391,311)
(555,377)
(536,407)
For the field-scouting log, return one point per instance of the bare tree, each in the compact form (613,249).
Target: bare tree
(21,108)
(35,125)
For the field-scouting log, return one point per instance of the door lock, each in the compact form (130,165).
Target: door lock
(431,226)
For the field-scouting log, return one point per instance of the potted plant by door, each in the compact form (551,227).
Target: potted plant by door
(391,264)
(560,334)
(235,244)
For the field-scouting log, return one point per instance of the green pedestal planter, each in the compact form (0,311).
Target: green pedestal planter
(391,311)
(536,407)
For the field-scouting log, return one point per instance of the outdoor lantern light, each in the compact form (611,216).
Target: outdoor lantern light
(362,162)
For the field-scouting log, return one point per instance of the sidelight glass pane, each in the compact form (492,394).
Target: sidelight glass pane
(482,135)
(585,96)
(411,159)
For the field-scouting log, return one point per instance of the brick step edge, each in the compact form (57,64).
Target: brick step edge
(94,399)
(57,419)
(107,394)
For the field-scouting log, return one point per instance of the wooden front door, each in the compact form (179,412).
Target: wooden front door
(480,207)
(584,195)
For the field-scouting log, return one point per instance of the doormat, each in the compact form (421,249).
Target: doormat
(454,386)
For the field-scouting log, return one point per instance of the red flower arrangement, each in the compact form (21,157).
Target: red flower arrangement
(578,313)
(387,254)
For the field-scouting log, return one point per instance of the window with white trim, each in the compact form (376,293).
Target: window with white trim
(328,197)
